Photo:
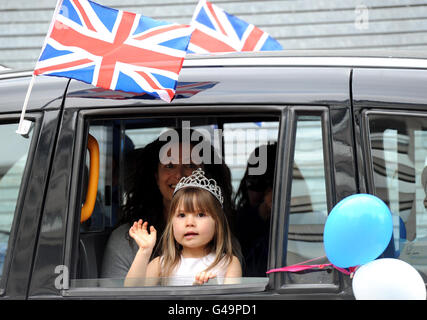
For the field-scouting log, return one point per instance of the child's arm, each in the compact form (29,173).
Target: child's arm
(146,242)
(234,270)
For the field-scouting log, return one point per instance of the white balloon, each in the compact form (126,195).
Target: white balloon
(388,279)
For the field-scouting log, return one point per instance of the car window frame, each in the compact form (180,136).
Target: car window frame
(287,148)
(36,118)
(72,234)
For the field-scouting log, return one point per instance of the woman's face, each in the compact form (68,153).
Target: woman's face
(172,167)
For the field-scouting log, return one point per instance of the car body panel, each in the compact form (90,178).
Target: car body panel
(338,90)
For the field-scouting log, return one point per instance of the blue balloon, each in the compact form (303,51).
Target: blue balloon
(357,230)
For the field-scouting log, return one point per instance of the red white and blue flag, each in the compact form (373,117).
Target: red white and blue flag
(114,49)
(218,31)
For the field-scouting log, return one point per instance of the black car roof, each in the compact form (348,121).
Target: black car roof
(310,77)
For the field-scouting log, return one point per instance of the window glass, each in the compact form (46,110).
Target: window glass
(126,168)
(308,207)
(241,139)
(399,160)
(250,152)
(12,164)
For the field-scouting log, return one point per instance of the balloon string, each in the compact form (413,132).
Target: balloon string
(301,266)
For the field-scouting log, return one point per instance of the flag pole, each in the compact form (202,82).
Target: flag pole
(24,125)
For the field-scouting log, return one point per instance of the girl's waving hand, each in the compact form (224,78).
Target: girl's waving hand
(145,240)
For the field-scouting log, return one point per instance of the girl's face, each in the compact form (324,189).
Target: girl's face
(172,167)
(193,230)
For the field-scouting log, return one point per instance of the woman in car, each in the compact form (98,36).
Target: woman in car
(253,204)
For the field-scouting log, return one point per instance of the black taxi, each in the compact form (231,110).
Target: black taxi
(342,123)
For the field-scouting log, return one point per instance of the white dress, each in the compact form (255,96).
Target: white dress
(186,270)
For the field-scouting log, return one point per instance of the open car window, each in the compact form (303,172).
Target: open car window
(121,143)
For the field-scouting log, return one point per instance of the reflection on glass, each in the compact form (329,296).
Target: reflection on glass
(253,282)
(399,161)
(308,208)
(12,165)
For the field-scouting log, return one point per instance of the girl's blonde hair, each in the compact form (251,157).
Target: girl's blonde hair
(196,200)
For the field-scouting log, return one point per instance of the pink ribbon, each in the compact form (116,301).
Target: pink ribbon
(301,267)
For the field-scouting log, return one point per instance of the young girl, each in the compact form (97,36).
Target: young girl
(196,242)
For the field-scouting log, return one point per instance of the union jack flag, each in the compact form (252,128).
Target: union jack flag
(114,49)
(218,31)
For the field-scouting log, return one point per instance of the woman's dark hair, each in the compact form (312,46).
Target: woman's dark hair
(258,183)
(143,197)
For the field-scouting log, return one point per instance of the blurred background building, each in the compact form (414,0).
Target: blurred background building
(296,24)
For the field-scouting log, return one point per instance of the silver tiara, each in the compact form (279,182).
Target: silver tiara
(198,180)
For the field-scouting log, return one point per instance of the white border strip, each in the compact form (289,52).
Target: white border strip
(309,61)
